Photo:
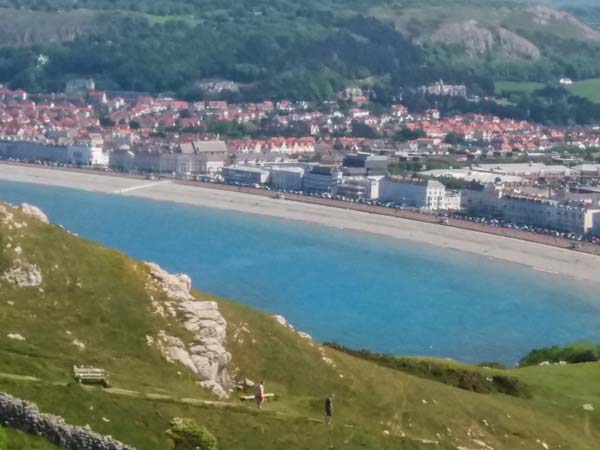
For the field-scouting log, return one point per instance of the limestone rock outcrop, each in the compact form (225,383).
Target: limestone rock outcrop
(23,275)
(176,286)
(34,212)
(205,353)
(285,323)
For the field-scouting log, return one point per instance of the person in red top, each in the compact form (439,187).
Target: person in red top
(260,394)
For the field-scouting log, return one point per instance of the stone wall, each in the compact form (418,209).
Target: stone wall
(25,416)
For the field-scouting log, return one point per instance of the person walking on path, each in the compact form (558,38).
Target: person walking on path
(329,409)
(260,394)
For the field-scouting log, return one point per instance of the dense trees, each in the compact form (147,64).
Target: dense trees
(295,57)
(284,49)
(552,105)
(579,352)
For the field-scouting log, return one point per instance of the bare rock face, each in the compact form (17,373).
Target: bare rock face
(544,15)
(284,323)
(205,354)
(34,212)
(23,275)
(478,38)
(176,286)
(513,44)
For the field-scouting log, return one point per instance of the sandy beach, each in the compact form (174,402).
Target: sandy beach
(545,258)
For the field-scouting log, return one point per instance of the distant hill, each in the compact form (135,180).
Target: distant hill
(305,50)
(67,301)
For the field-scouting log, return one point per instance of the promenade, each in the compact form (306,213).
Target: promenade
(543,253)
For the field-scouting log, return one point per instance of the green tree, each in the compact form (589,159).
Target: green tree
(406,134)
(454,139)
(188,435)
(362,130)
(106,122)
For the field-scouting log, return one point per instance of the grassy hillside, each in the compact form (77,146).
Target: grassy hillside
(21,441)
(589,89)
(100,297)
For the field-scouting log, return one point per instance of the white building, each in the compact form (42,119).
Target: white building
(359,187)
(246,176)
(88,155)
(321,179)
(287,178)
(81,154)
(533,211)
(587,170)
(525,170)
(467,174)
(484,202)
(428,194)
(210,155)
(523,210)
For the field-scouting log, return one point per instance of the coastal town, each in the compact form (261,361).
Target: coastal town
(501,172)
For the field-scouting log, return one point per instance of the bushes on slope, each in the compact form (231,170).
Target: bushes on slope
(579,352)
(187,435)
(454,375)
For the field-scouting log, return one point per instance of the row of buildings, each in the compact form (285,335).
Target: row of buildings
(572,213)
(84,153)
(330,179)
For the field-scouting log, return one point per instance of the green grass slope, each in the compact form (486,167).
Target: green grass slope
(16,440)
(589,89)
(99,296)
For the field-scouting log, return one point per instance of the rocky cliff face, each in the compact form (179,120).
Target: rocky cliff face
(22,273)
(546,16)
(478,38)
(35,212)
(205,353)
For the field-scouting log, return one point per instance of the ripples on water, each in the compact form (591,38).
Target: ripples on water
(357,289)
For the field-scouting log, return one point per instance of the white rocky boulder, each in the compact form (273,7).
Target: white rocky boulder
(284,323)
(175,351)
(15,337)
(23,275)
(34,212)
(204,354)
(176,286)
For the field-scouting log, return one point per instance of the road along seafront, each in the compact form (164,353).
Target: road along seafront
(546,258)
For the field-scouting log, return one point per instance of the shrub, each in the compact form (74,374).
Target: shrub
(469,379)
(579,352)
(188,435)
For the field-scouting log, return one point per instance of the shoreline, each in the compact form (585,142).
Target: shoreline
(549,259)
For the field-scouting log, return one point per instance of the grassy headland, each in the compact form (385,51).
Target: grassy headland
(100,298)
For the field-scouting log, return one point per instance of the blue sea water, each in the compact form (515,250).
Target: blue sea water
(357,289)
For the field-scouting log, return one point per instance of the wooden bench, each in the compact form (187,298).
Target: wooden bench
(268,397)
(91,375)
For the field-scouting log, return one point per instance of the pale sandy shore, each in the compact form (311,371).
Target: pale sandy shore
(545,258)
